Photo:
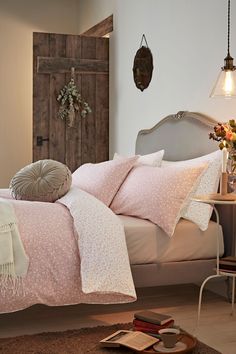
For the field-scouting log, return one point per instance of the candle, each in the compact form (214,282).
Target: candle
(224,159)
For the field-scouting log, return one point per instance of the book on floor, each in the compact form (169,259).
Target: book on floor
(153,317)
(227,268)
(228,264)
(144,326)
(228,259)
(131,339)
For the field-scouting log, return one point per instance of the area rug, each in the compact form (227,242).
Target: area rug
(81,341)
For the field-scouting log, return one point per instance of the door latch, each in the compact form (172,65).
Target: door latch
(40,140)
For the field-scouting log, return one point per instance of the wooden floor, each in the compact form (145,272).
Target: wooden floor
(217,327)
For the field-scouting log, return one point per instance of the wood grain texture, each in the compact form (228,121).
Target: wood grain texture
(101,29)
(57,81)
(47,65)
(88,85)
(73,157)
(102,104)
(41,101)
(88,140)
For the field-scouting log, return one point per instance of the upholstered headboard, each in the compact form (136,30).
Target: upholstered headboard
(184,136)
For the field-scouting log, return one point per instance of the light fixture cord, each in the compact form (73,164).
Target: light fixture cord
(228,27)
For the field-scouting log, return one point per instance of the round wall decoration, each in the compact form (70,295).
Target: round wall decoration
(143,66)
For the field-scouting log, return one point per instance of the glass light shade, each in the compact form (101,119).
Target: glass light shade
(225,85)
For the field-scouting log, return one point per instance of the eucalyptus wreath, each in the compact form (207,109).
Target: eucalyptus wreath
(71,102)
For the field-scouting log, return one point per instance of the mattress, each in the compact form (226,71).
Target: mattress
(147,243)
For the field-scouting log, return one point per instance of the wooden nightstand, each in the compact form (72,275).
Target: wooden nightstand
(219,273)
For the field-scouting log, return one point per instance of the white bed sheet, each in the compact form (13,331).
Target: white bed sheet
(147,243)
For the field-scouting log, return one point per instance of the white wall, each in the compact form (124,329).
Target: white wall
(18,20)
(93,11)
(187,39)
(188,42)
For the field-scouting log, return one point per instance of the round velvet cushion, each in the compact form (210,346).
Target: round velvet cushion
(43,180)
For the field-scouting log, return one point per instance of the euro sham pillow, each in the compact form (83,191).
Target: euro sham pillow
(157,194)
(103,179)
(43,180)
(200,213)
(153,159)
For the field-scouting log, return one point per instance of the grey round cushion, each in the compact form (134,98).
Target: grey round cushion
(43,180)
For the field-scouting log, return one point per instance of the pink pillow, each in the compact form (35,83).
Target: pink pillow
(157,194)
(103,179)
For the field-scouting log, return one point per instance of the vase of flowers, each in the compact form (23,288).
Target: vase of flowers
(225,134)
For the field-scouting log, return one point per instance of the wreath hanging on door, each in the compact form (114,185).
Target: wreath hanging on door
(71,102)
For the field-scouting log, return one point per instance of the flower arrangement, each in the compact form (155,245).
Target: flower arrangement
(71,102)
(225,134)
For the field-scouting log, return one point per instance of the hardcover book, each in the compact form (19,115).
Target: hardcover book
(228,264)
(226,267)
(152,326)
(153,317)
(230,259)
(145,330)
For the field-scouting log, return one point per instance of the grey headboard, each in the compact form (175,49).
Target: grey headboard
(184,136)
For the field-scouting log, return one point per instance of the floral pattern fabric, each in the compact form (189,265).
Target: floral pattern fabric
(51,242)
(157,194)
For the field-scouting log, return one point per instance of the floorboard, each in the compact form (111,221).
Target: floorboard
(217,327)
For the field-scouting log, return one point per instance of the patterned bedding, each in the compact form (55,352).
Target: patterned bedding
(54,276)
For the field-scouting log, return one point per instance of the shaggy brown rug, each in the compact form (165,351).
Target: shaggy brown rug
(81,341)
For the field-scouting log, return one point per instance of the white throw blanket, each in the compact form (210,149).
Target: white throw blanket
(102,246)
(13,259)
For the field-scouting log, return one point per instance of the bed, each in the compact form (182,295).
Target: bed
(186,129)
(155,259)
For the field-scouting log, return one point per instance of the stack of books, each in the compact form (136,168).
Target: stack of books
(227,264)
(151,322)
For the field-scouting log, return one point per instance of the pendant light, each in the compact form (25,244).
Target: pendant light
(225,85)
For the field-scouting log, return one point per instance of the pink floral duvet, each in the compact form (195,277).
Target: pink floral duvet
(54,275)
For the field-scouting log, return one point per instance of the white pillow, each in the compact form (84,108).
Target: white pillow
(200,213)
(153,159)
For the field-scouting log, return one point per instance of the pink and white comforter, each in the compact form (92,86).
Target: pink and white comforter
(79,259)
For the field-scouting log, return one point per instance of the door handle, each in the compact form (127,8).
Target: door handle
(40,140)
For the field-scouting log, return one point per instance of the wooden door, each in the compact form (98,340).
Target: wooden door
(53,57)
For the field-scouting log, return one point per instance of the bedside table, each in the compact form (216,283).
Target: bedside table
(219,273)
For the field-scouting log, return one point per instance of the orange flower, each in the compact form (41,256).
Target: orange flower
(229,135)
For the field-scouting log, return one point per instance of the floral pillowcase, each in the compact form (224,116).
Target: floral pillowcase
(200,213)
(157,194)
(103,179)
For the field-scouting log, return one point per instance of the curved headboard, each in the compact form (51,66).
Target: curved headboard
(183,136)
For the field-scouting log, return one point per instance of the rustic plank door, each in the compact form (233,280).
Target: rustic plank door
(53,57)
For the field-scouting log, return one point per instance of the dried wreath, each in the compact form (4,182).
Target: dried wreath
(71,102)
